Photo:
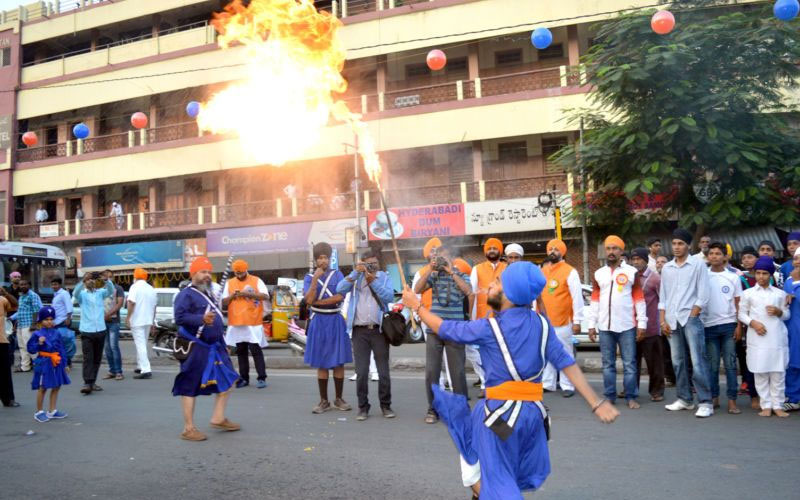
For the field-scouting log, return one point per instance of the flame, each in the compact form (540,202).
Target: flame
(295,62)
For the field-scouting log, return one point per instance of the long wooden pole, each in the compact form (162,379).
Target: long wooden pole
(394,239)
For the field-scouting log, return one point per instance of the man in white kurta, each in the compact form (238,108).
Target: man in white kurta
(142,304)
(763,309)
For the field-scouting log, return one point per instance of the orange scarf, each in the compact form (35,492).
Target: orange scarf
(55,357)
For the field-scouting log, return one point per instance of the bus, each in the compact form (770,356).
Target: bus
(37,263)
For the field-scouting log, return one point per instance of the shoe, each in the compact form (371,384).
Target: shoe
(568,394)
(362,415)
(14,404)
(140,376)
(109,376)
(679,405)
(669,384)
(56,414)
(137,371)
(549,390)
(242,383)
(119,377)
(41,417)
(86,389)
(353,377)
(96,388)
(388,413)
(20,370)
(261,384)
(715,402)
(704,411)
(193,435)
(374,377)
(322,407)
(226,425)
(786,406)
(431,417)
(477,383)
(341,404)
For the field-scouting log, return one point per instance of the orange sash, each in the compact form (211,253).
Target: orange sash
(55,357)
(516,391)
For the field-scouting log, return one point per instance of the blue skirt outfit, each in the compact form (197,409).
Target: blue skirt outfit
(327,342)
(45,374)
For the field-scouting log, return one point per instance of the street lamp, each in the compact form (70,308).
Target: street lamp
(547,199)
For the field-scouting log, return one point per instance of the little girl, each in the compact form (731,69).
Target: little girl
(49,368)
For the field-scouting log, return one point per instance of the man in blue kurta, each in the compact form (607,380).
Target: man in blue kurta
(208,368)
(503,442)
(792,289)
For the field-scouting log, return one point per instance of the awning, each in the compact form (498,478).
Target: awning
(751,236)
(277,261)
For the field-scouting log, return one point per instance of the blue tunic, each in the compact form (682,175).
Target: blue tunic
(45,375)
(522,461)
(190,307)
(327,342)
(793,325)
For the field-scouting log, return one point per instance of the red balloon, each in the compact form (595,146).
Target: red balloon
(139,120)
(436,59)
(662,22)
(30,138)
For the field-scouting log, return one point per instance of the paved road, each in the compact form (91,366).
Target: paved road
(122,443)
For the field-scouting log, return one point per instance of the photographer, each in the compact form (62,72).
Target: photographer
(370,293)
(93,328)
(450,288)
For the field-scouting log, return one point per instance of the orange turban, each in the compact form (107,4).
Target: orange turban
(200,264)
(614,240)
(139,274)
(558,245)
(462,265)
(239,266)
(430,245)
(493,242)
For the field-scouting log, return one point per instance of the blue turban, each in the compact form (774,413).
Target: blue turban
(765,263)
(794,235)
(46,312)
(522,283)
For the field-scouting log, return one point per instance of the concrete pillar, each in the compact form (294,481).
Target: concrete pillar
(573,45)
(473,66)
(61,209)
(477,160)
(222,189)
(152,116)
(382,71)
(89,205)
(152,193)
(95,36)
(156,23)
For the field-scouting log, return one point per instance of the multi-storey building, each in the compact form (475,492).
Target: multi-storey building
(472,136)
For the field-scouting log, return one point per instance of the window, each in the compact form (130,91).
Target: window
(5,56)
(512,152)
(550,146)
(457,66)
(417,70)
(508,57)
(555,51)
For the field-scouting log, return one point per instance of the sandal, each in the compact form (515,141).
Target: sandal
(734,411)
(431,418)
(119,377)
(226,425)
(109,376)
(656,399)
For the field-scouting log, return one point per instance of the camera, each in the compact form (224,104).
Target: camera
(439,264)
(372,268)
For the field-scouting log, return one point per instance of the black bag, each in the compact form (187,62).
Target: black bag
(393,324)
(181,347)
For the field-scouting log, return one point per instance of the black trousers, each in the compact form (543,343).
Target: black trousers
(365,341)
(6,383)
(243,350)
(669,370)
(92,345)
(456,358)
(747,375)
(649,349)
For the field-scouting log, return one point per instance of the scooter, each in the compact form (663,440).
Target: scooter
(163,337)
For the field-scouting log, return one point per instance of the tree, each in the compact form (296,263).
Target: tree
(698,118)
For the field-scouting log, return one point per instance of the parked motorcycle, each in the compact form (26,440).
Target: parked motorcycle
(163,337)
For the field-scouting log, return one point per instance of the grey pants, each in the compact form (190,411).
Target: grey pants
(456,358)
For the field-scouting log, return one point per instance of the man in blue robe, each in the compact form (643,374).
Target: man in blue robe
(792,288)
(503,442)
(208,368)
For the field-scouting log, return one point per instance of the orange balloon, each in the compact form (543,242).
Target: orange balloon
(436,59)
(139,120)
(662,22)
(30,138)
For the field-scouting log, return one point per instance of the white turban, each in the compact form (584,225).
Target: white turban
(515,248)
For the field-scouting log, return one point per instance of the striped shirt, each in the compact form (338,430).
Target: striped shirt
(29,305)
(448,299)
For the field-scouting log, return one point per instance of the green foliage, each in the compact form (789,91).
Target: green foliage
(705,102)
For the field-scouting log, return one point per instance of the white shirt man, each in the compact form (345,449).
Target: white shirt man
(41,215)
(142,302)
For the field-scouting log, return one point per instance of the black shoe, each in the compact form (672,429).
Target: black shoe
(143,375)
(477,383)
(137,371)
(362,415)
(242,383)
(96,388)
(86,389)
(568,394)
(12,404)
(388,413)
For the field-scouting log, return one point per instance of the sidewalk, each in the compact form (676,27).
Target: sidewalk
(408,357)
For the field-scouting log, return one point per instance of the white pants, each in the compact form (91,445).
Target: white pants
(564,334)
(771,388)
(474,356)
(24,357)
(470,474)
(140,335)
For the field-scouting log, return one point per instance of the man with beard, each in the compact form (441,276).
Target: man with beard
(563,300)
(208,368)
(483,275)
(704,243)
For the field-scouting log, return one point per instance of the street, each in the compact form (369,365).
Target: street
(123,443)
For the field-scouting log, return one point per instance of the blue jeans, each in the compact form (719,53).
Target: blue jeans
(693,335)
(608,350)
(113,354)
(719,340)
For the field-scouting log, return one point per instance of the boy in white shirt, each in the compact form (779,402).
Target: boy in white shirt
(722,329)
(763,308)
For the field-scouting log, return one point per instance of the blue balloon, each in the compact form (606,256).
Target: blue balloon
(786,10)
(193,109)
(541,38)
(81,131)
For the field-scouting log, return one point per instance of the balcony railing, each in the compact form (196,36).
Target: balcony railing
(189,218)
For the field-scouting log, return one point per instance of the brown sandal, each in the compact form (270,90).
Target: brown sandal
(226,425)
(193,435)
